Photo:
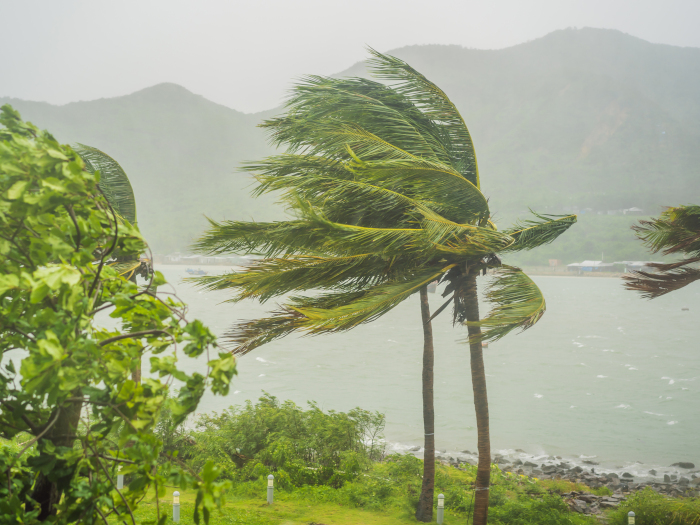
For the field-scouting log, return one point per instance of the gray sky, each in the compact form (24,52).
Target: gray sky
(245,53)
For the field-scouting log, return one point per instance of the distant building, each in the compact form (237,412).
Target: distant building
(633,211)
(636,266)
(591,266)
(555,262)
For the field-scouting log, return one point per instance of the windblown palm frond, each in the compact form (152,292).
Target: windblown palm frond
(113,180)
(518,303)
(670,277)
(435,104)
(529,234)
(677,230)
(330,312)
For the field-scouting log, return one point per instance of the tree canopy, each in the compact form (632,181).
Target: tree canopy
(70,415)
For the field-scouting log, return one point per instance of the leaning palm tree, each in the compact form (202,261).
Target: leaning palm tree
(383,184)
(676,231)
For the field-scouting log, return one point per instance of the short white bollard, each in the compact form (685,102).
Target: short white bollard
(120,479)
(270,488)
(176,506)
(630,518)
(441,508)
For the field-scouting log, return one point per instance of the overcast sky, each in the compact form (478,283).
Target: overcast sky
(245,53)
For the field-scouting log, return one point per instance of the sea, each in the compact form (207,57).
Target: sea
(605,377)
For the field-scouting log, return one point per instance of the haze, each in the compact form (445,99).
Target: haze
(245,54)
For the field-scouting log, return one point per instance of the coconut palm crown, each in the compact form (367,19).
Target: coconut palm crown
(676,231)
(383,184)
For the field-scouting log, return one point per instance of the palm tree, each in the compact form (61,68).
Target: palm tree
(676,231)
(384,186)
(116,187)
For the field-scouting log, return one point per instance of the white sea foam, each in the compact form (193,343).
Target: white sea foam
(261,375)
(671,382)
(538,396)
(622,406)
(672,422)
(263,360)
(607,350)
(601,376)
(652,413)
(632,368)
(572,406)
(237,392)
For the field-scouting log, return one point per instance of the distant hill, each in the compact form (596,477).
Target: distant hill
(181,152)
(580,120)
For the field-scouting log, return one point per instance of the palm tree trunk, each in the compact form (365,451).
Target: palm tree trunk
(481,404)
(424,512)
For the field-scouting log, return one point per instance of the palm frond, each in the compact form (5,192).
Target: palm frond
(518,303)
(114,182)
(331,312)
(268,278)
(529,234)
(126,268)
(435,104)
(677,230)
(668,278)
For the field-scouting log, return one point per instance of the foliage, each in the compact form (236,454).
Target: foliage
(71,402)
(384,186)
(652,508)
(676,231)
(300,447)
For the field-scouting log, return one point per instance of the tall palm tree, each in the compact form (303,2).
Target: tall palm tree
(384,186)
(676,231)
(116,187)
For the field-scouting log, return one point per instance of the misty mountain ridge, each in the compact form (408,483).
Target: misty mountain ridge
(585,120)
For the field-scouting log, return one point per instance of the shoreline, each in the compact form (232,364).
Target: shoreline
(680,479)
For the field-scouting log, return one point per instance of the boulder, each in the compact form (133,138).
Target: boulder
(530,464)
(517,462)
(684,464)
(577,469)
(667,478)
(414,449)
(627,475)
(652,472)
(466,452)
(696,481)
(589,462)
(683,481)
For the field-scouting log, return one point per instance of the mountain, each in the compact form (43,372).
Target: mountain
(584,121)
(181,151)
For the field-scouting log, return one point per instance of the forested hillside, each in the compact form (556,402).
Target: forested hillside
(579,120)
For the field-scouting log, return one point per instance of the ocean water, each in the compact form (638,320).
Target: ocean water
(604,376)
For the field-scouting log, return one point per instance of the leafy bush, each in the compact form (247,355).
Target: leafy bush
(652,508)
(300,447)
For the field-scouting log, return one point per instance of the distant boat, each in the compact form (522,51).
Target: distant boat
(198,271)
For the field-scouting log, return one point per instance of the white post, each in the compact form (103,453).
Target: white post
(176,506)
(270,488)
(441,509)
(630,518)
(120,479)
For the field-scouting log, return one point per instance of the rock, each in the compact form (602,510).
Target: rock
(609,504)
(564,465)
(667,478)
(517,462)
(627,475)
(589,462)
(466,452)
(613,475)
(652,472)
(521,471)
(577,469)
(684,464)
(696,481)
(536,472)
(530,464)
(520,450)
(674,477)
(548,469)
(683,481)
(414,449)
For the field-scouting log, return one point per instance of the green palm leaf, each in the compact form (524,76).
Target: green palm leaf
(529,234)
(518,303)
(113,180)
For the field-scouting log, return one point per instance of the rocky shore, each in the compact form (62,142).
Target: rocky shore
(686,484)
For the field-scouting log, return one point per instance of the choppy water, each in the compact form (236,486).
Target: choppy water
(603,375)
